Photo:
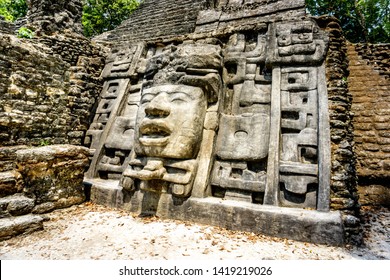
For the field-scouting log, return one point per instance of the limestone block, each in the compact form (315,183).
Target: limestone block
(12,226)
(298,191)
(374,195)
(208,16)
(236,175)
(54,173)
(243,137)
(17,205)
(105,192)
(199,56)
(44,208)
(10,183)
(298,43)
(8,157)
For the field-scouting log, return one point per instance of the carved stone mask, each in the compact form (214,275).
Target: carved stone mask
(170,121)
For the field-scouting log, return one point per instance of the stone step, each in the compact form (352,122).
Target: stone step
(16,205)
(10,227)
(10,183)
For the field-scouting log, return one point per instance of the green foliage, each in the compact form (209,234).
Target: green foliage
(102,15)
(361,20)
(11,10)
(44,142)
(24,32)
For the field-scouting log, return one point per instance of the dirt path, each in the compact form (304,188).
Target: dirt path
(92,232)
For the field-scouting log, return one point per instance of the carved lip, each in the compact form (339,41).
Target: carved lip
(154,133)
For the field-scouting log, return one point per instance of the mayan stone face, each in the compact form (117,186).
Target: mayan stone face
(170,121)
(156,129)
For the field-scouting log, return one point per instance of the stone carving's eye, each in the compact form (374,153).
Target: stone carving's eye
(147,98)
(179,97)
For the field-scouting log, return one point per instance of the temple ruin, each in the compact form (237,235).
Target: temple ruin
(229,113)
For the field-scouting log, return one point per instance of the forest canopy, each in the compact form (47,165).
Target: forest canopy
(361,20)
(11,10)
(102,15)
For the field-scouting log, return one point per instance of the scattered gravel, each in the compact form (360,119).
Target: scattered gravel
(93,232)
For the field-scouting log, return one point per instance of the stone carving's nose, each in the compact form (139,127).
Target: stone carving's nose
(158,107)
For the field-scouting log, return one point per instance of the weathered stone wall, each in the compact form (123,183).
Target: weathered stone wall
(7,27)
(49,16)
(86,62)
(38,180)
(48,88)
(369,83)
(370,86)
(377,56)
(53,175)
(49,84)
(157,19)
(10,179)
(343,181)
(33,80)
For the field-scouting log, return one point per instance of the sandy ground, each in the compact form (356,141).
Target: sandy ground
(92,232)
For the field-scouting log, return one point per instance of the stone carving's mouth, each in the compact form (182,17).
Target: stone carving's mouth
(154,133)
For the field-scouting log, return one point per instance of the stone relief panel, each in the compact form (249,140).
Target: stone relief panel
(123,61)
(111,134)
(239,171)
(181,83)
(243,118)
(297,43)
(108,99)
(120,139)
(299,50)
(299,137)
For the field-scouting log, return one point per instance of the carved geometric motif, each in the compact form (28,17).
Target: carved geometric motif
(110,92)
(243,136)
(120,139)
(299,139)
(298,43)
(255,99)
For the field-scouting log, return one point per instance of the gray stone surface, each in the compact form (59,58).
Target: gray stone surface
(16,205)
(301,225)
(10,183)
(105,192)
(54,174)
(297,224)
(12,226)
(50,16)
